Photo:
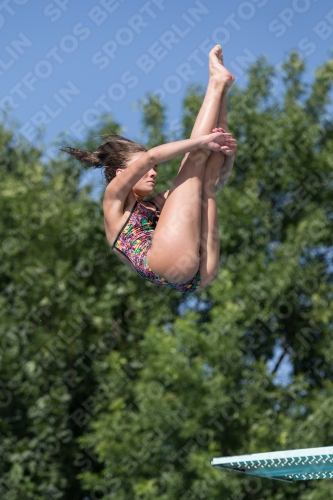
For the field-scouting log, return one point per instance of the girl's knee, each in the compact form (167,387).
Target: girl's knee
(199,157)
(206,280)
(207,276)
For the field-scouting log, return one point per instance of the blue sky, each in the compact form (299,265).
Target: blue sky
(64,63)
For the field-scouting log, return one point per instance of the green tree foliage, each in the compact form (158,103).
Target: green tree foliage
(65,303)
(112,388)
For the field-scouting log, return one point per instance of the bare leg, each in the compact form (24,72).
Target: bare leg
(210,114)
(228,162)
(174,253)
(204,118)
(214,171)
(213,111)
(210,240)
(222,120)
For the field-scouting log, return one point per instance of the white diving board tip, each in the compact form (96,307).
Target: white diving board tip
(289,465)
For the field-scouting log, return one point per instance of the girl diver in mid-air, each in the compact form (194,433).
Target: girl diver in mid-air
(171,238)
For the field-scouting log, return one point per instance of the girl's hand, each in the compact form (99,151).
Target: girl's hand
(221,141)
(230,149)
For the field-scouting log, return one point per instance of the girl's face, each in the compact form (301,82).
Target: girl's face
(145,186)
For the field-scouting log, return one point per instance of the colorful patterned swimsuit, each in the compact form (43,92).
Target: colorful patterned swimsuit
(134,241)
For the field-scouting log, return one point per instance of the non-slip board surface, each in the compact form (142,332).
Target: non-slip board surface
(288,465)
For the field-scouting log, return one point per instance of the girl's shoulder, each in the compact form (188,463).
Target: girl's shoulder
(115,214)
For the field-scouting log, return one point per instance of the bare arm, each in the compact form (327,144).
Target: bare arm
(121,185)
(171,150)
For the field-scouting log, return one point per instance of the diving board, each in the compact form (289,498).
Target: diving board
(288,465)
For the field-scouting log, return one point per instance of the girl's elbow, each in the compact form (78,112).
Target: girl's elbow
(152,157)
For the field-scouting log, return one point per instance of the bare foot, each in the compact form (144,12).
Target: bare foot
(216,68)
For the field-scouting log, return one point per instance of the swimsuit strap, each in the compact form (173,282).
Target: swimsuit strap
(157,209)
